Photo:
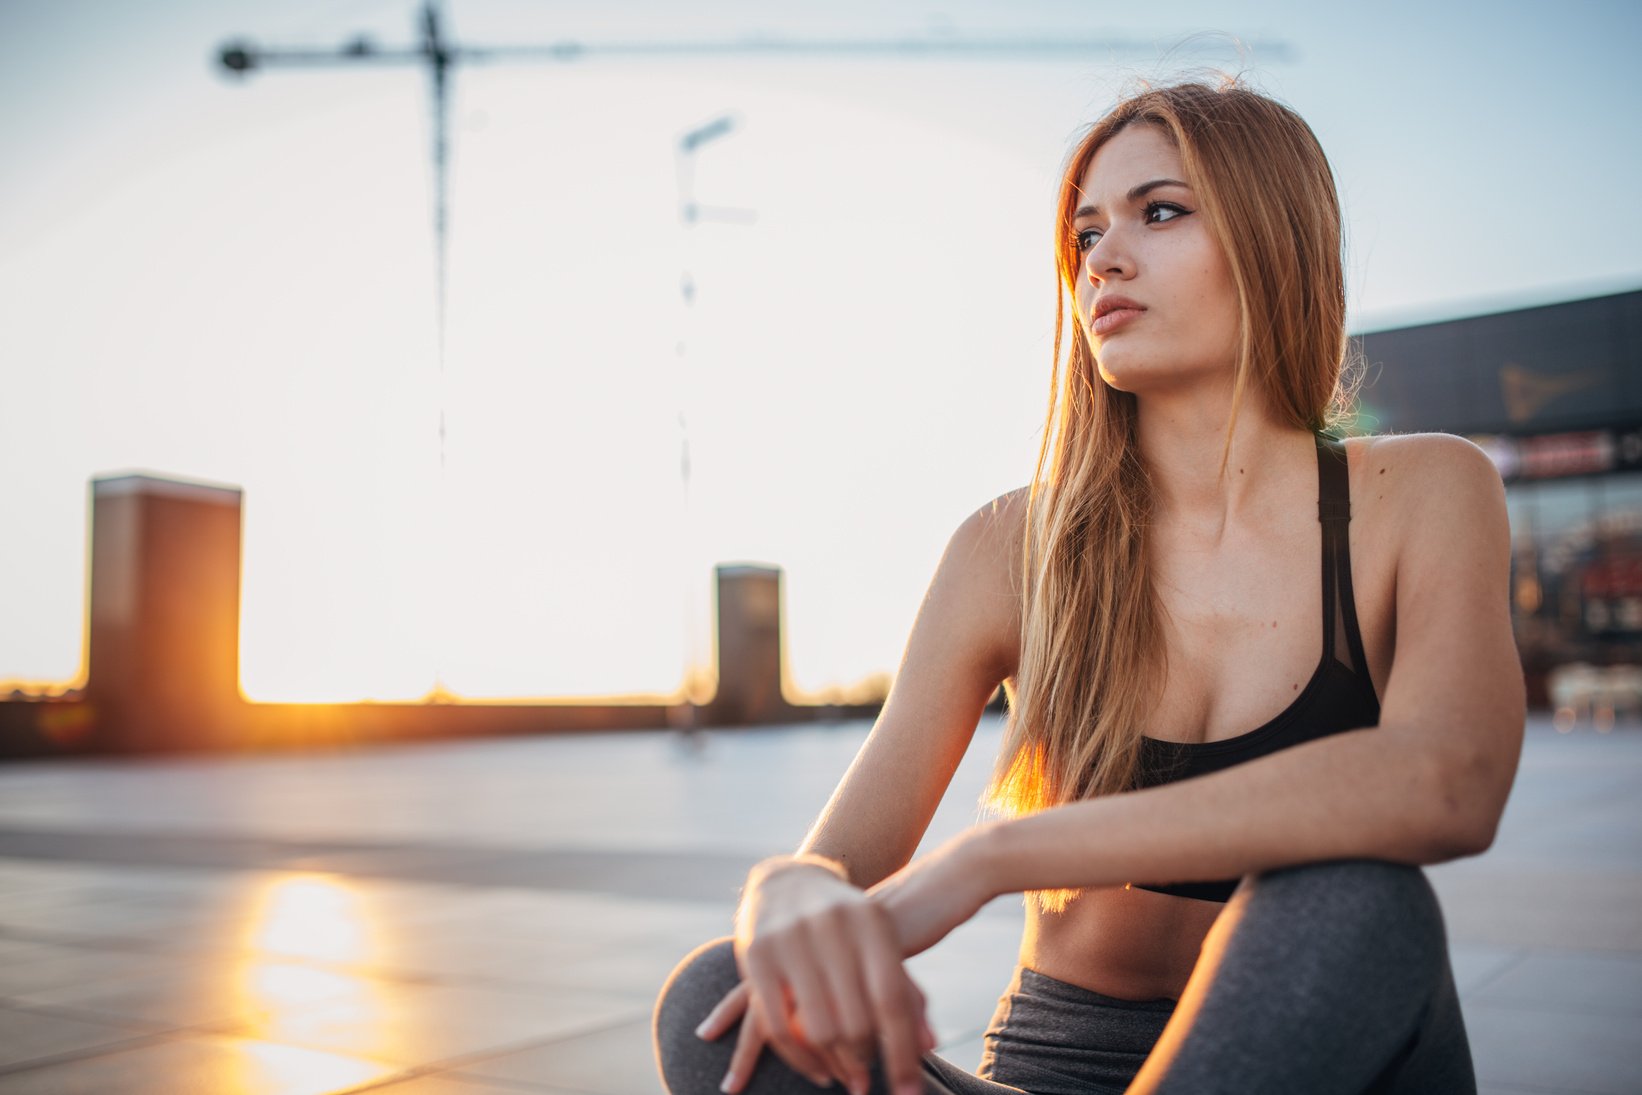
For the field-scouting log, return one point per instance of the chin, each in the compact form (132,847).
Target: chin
(1115,383)
(1119,371)
(1129,368)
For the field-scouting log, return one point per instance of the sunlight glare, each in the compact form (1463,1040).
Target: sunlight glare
(313,916)
(260,1067)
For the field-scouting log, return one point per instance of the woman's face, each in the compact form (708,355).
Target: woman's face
(1155,295)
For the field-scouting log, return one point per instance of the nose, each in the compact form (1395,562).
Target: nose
(1108,258)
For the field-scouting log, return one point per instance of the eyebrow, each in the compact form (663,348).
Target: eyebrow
(1134,195)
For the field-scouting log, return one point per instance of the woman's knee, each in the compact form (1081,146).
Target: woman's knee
(1320,970)
(695,987)
(1367,887)
(1378,903)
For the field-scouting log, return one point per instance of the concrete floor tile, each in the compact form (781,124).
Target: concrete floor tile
(618,1060)
(20,952)
(236,994)
(531,913)
(204,1064)
(1571,981)
(638,966)
(1488,903)
(481,958)
(1476,964)
(419,1025)
(28,1034)
(113,886)
(1598,1054)
(124,920)
(451,1083)
(38,875)
(420,951)
(54,966)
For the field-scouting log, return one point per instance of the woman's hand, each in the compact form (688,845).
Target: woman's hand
(750,1041)
(825,987)
(929,897)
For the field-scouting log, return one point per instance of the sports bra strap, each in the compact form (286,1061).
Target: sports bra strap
(1333,481)
(1341,638)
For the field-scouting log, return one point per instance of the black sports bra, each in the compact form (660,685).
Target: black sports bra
(1340,696)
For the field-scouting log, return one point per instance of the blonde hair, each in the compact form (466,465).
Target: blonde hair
(1093,656)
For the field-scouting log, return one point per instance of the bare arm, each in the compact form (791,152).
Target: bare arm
(965,641)
(1428,784)
(822,964)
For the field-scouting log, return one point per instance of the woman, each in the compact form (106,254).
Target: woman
(1147,601)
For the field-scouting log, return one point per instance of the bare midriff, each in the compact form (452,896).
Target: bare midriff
(1131,944)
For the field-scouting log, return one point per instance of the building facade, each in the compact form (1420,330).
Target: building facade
(1554,395)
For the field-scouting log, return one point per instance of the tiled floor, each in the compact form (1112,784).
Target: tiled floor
(483,917)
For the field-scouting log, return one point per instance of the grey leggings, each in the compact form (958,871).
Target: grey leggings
(1324,978)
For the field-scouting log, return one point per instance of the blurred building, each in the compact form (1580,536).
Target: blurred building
(1554,395)
(163,648)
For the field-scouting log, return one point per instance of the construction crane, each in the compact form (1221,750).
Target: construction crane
(436,50)
(441,54)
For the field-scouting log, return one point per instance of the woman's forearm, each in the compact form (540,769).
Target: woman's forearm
(1354,795)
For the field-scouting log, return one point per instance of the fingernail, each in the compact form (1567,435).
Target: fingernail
(701,1031)
(728,1082)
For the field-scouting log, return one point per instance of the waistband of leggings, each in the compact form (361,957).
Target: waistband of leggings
(1032,984)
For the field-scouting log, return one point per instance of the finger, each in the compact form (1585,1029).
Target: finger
(902,1037)
(843,1066)
(812,1001)
(896,1014)
(849,1067)
(813,1012)
(724,1015)
(850,1070)
(920,1006)
(769,1005)
(749,1044)
(856,1045)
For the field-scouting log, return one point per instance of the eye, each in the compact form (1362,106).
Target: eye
(1163,212)
(1085,239)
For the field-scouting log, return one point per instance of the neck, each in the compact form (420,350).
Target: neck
(1182,435)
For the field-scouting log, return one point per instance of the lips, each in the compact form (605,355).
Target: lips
(1113,312)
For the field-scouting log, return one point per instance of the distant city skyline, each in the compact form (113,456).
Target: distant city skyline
(232,281)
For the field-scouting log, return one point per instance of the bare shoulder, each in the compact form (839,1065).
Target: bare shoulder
(1430,486)
(1419,453)
(985,551)
(976,591)
(999,524)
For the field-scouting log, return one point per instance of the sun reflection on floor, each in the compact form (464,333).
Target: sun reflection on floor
(310,933)
(255,1068)
(318,917)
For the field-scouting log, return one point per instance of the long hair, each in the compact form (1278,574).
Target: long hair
(1093,657)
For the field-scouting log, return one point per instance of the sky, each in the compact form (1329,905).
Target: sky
(232,280)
